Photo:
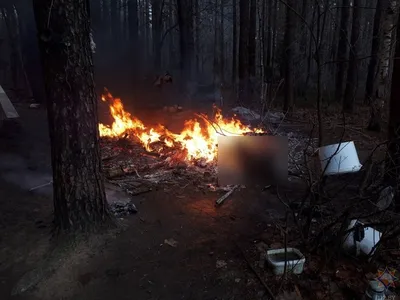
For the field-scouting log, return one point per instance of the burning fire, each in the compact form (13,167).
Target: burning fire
(197,140)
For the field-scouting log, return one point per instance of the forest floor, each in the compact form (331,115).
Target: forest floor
(178,245)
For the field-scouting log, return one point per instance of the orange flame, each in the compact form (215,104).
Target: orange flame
(197,140)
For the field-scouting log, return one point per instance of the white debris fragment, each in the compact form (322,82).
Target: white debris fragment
(246,113)
(221,264)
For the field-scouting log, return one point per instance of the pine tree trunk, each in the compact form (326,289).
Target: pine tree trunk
(222,44)
(351,83)
(234,43)
(243,49)
(342,50)
(186,38)
(252,40)
(197,36)
(79,194)
(133,22)
(288,48)
(381,86)
(373,63)
(392,174)
(156,29)
(114,21)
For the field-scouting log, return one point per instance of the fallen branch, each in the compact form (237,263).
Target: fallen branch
(224,197)
(256,273)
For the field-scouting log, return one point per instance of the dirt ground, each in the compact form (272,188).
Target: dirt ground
(135,263)
(178,245)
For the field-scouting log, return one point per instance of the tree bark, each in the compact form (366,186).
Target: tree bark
(373,62)
(381,86)
(133,22)
(114,21)
(392,174)
(78,189)
(156,10)
(234,43)
(243,48)
(186,38)
(351,83)
(342,50)
(288,48)
(222,44)
(252,39)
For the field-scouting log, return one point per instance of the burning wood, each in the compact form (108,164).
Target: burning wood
(196,143)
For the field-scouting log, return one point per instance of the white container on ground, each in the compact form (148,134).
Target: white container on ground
(295,260)
(365,246)
(339,158)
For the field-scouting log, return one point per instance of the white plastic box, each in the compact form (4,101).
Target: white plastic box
(339,158)
(294,264)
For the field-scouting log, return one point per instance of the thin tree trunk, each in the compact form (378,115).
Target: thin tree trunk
(351,83)
(342,50)
(373,63)
(234,43)
(288,48)
(78,190)
(392,174)
(252,40)
(381,86)
(222,44)
(243,48)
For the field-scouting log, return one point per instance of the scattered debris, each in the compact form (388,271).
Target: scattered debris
(221,264)
(40,186)
(123,209)
(385,198)
(246,113)
(224,197)
(34,105)
(171,242)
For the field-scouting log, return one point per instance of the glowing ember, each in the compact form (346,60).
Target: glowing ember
(197,140)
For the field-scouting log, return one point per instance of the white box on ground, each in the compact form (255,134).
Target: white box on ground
(339,158)
(295,260)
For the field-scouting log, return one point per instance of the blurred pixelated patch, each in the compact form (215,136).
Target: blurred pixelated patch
(252,160)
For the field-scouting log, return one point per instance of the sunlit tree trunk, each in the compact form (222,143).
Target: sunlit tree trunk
(78,188)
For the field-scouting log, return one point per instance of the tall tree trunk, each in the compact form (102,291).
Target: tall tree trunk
(133,23)
(288,48)
(222,44)
(381,86)
(186,40)
(351,85)
(342,50)
(11,26)
(252,40)
(197,36)
(156,10)
(114,21)
(243,48)
(216,78)
(392,174)
(234,43)
(78,193)
(373,63)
